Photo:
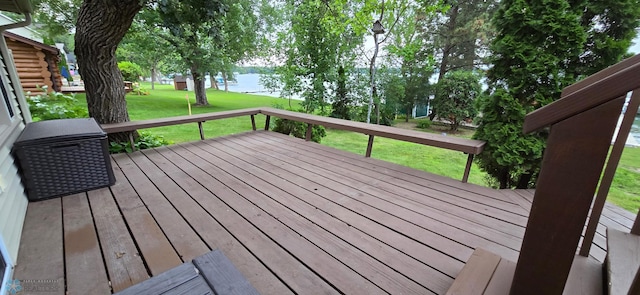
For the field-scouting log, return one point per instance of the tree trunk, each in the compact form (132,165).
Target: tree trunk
(198,85)
(153,77)
(523,181)
(226,81)
(99,29)
(214,82)
(372,73)
(446,49)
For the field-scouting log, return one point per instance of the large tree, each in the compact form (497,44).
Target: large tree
(100,27)
(55,17)
(459,36)
(540,48)
(195,29)
(610,26)
(144,46)
(239,35)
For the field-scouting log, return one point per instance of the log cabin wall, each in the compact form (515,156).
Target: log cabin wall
(36,63)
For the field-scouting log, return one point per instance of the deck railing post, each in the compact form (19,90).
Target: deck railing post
(467,169)
(636,225)
(201,130)
(266,123)
(132,142)
(609,173)
(309,132)
(369,147)
(635,285)
(253,122)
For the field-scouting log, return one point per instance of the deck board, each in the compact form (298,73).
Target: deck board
(294,274)
(324,264)
(294,217)
(124,264)
(331,232)
(403,208)
(155,248)
(41,254)
(82,249)
(183,238)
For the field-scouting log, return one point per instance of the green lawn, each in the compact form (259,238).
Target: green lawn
(166,102)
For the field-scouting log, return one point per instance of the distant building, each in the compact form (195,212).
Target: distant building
(36,62)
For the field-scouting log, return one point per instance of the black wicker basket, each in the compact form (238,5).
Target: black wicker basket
(63,157)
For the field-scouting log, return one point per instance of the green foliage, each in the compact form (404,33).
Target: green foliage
(194,31)
(531,57)
(55,105)
(455,96)
(388,112)
(298,129)
(139,89)
(145,140)
(315,44)
(423,124)
(508,154)
(610,26)
(130,71)
(55,17)
(343,103)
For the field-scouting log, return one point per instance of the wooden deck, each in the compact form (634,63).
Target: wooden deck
(293,216)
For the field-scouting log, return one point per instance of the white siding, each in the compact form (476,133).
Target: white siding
(13,201)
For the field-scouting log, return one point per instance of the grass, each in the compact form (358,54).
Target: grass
(625,190)
(166,102)
(431,159)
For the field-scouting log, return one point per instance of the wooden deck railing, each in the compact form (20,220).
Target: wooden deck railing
(467,146)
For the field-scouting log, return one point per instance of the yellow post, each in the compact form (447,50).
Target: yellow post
(188,103)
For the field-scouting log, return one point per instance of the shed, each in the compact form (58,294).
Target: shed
(180,82)
(36,63)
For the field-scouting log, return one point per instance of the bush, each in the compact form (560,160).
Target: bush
(145,140)
(139,90)
(455,95)
(130,71)
(387,114)
(424,124)
(55,105)
(298,129)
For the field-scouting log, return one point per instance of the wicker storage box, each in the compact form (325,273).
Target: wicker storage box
(63,157)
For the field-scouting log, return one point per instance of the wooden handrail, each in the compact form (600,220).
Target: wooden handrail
(598,89)
(168,121)
(468,146)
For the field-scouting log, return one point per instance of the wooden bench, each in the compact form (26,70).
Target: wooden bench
(211,273)
(623,261)
(490,274)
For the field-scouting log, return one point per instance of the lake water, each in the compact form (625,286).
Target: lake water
(635,129)
(250,83)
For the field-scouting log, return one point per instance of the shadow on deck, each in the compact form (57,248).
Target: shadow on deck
(293,216)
